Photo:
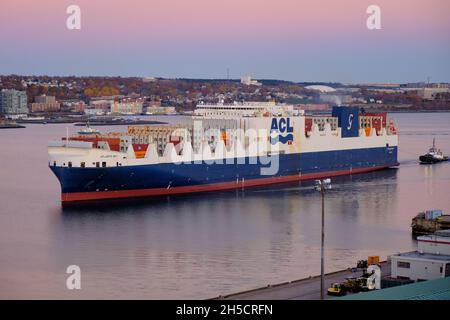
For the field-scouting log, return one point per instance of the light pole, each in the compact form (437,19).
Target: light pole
(322,185)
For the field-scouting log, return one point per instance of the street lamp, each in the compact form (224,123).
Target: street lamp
(322,185)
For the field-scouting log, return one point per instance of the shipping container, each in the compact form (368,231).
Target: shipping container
(113,142)
(140,150)
(308,124)
(383,115)
(373,260)
(371,122)
(175,140)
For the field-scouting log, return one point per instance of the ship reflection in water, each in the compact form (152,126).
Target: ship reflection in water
(204,245)
(174,242)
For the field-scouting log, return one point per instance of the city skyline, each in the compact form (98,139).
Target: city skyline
(297,41)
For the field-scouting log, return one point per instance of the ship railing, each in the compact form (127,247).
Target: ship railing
(70,144)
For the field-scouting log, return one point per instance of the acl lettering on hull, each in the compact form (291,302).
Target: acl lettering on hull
(348,121)
(281,130)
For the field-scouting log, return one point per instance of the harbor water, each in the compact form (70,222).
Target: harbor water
(204,245)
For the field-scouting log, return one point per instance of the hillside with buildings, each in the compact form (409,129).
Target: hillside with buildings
(44,95)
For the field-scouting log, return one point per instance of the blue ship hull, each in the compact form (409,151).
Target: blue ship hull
(81,184)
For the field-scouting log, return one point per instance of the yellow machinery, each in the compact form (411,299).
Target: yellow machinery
(337,289)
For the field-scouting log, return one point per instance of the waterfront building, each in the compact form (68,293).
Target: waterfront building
(94,112)
(127,106)
(103,104)
(432,93)
(73,105)
(430,261)
(13,102)
(45,104)
(154,109)
(44,99)
(438,289)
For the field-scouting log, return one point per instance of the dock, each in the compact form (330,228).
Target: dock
(302,289)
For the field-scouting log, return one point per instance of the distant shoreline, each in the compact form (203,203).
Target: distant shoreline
(417,111)
(11,126)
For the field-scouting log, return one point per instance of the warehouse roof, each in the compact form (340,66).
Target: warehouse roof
(438,289)
(426,256)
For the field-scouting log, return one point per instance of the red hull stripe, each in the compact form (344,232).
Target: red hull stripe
(139,193)
(433,241)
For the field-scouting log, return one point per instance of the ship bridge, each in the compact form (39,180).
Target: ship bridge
(243,109)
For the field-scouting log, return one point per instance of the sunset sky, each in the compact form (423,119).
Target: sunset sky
(299,40)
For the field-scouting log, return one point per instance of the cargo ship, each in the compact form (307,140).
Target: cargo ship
(222,146)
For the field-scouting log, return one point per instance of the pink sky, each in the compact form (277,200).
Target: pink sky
(248,20)
(158,25)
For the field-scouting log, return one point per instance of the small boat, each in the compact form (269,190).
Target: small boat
(88,130)
(434,155)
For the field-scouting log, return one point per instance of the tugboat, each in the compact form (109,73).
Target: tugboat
(434,155)
(88,130)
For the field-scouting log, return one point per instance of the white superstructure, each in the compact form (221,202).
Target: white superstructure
(243,109)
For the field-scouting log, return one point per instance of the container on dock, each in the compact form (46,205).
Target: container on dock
(373,260)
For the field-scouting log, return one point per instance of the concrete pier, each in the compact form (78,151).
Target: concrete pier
(302,289)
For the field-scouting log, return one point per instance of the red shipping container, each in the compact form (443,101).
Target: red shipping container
(308,124)
(377,114)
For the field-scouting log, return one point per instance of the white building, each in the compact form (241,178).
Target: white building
(148,79)
(94,112)
(432,93)
(160,110)
(430,261)
(247,80)
(321,88)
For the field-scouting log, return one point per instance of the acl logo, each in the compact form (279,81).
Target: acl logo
(278,127)
(350,121)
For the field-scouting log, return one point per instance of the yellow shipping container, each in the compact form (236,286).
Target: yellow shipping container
(373,260)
